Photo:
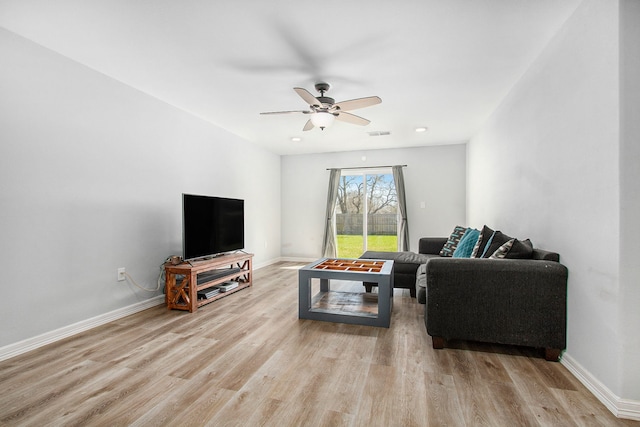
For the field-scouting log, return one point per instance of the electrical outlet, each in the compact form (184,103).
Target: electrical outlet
(121,275)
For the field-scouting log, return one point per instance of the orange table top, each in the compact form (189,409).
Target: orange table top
(335,264)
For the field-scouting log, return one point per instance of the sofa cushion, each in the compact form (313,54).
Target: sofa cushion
(511,249)
(479,248)
(521,249)
(467,243)
(452,242)
(399,257)
(431,245)
(404,263)
(497,239)
(502,251)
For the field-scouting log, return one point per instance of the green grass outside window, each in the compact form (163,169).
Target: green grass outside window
(350,246)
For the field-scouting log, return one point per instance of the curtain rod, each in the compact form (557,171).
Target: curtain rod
(368,167)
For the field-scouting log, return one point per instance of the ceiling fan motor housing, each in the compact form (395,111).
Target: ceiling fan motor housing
(326,100)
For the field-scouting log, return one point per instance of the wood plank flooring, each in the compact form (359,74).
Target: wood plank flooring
(247,360)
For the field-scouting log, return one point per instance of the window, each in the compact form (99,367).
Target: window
(366,212)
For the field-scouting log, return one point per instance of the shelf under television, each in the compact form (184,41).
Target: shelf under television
(181,286)
(240,287)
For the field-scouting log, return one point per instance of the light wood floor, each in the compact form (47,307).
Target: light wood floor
(247,360)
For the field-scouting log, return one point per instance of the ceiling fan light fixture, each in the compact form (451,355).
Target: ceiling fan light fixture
(322,119)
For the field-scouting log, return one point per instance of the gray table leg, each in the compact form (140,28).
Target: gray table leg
(385,286)
(304,295)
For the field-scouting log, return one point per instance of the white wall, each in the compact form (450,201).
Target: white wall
(547,166)
(91,178)
(434,175)
(630,195)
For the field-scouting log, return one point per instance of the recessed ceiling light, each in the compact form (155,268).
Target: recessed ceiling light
(296,139)
(421,129)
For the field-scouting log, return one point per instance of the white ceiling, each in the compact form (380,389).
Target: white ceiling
(444,64)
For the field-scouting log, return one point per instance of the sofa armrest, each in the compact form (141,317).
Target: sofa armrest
(508,301)
(431,245)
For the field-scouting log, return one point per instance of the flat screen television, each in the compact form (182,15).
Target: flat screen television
(211,226)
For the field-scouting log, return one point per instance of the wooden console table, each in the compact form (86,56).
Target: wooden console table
(183,281)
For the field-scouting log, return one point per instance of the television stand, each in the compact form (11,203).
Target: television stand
(183,281)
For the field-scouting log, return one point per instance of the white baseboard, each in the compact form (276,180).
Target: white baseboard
(621,408)
(29,344)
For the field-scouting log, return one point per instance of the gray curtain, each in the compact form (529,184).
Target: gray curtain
(330,244)
(403,230)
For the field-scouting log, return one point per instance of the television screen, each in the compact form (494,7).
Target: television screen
(211,225)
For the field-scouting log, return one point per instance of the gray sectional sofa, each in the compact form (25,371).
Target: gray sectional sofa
(518,301)
(506,301)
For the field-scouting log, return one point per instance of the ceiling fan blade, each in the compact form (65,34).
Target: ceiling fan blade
(352,118)
(354,104)
(308,126)
(308,98)
(288,112)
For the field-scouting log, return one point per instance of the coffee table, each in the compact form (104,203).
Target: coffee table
(358,270)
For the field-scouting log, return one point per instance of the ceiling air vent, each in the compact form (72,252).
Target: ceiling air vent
(379,133)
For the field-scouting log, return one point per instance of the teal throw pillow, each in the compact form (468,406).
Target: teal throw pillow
(467,243)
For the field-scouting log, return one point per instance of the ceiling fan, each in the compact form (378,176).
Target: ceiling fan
(324,110)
